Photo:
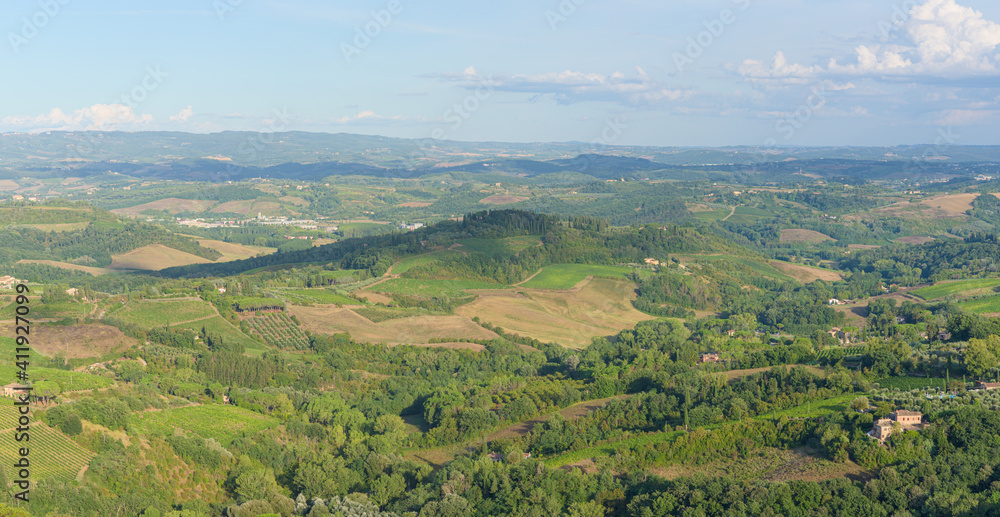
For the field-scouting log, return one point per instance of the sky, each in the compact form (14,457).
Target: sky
(625,72)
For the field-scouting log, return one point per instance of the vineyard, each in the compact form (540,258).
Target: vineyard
(279,330)
(224,423)
(840,352)
(52,453)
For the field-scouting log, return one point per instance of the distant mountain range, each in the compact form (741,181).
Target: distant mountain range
(312,156)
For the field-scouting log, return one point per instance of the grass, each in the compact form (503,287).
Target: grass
(149,314)
(380,314)
(409,263)
(757,266)
(432,288)
(943,289)
(713,215)
(987,305)
(216,325)
(316,295)
(571,318)
(565,276)
(53,454)
(68,380)
(224,423)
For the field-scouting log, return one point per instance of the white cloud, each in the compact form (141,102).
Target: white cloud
(939,39)
(99,117)
(967,117)
(569,86)
(183,115)
(368,116)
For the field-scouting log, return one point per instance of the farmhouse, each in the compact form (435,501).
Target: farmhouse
(10,390)
(833,301)
(652,262)
(7,282)
(907,421)
(987,385)
(709,358)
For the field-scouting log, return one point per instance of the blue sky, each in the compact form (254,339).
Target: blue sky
(629,72)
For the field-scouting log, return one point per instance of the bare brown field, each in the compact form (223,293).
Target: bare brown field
(248,207)
(170,204)
(955,204)
(236,207)
(914,239)
(154,258)
(76,341)
(96,271)
(863,246)
(806,274)
(231,251)
(800,235)
(502,200)
(417,330)
(601,307)
(415,204)
(9,185)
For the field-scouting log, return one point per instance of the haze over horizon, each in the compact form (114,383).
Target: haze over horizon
(691,74)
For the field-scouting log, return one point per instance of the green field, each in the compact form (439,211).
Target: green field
(432,288)
(149,314)
(278,330)
(409,263)
(988,305)
(230,334)
(748,215)
(713,215)
(68,380)
(495,247)
(761,268)
(565,276)
(224,423)
(943,289)
(53,454)
(320,295)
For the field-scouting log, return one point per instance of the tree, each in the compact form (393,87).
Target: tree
(860,404)
(71,425)
(979,359)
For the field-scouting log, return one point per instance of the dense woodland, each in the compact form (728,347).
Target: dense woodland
(324,423)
